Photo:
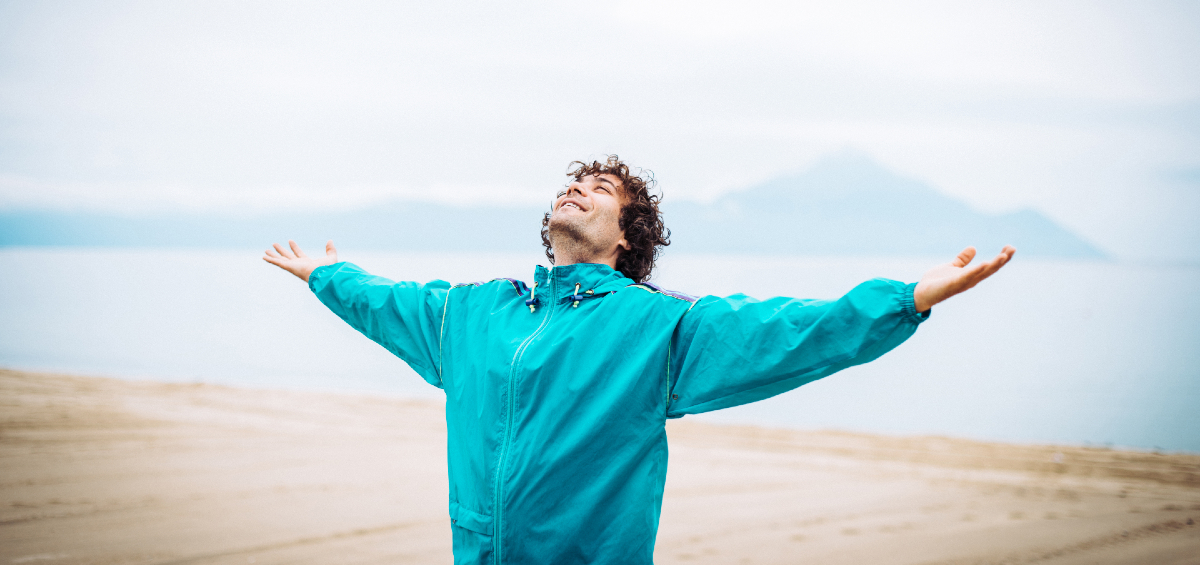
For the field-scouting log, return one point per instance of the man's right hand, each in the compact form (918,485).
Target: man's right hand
(296,262)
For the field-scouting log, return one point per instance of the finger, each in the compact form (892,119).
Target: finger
(284,252)
(975,270)
(988,266)
(296,249)
(991,267)
(1004,257)
(968,282)
(1001,260)
(274,260)
(989,270)
(964,258)
(330,249)
(971,276)
(271,253)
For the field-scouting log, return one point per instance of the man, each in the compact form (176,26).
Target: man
(557,392)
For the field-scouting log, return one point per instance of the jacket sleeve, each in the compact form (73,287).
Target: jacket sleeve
(736,350)
(403,317)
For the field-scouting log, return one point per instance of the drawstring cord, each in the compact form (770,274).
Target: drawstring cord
(532,302)
(575,298)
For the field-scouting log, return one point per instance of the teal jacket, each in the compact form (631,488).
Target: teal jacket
(557,394)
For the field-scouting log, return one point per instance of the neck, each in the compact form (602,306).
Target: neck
(569,255)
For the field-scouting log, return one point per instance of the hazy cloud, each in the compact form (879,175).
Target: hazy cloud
(1078,109)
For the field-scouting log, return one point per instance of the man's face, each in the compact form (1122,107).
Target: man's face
(585,220)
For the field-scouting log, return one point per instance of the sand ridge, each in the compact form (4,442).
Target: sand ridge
(108,471)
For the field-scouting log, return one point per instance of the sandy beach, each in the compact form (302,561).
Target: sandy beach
(104,471)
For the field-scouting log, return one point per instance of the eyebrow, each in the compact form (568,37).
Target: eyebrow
(602,179)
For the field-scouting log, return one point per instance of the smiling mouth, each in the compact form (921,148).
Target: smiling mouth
(572,205)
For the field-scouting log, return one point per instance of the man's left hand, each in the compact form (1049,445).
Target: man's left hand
(946,280)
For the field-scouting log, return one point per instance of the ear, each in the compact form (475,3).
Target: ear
(623,244)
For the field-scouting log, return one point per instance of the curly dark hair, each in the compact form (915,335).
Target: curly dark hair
(640,217)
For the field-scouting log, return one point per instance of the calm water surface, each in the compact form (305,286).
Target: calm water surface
(1047,351)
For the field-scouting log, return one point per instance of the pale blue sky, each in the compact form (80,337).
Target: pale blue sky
(1086,111)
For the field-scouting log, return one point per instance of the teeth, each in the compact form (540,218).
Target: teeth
(573,206)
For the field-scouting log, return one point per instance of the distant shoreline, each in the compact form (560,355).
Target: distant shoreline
(753,429)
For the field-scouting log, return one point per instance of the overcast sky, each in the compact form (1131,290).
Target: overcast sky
(1088,112)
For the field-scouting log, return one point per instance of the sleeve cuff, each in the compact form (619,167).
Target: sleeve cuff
(909,305)
(316,279)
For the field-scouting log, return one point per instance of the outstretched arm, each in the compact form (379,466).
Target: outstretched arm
(296,262)
(404,317)
(735,350)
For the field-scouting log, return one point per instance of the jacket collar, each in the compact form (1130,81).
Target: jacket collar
(561,281)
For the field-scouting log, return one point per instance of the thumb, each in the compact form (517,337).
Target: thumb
(331,250)
(964,258)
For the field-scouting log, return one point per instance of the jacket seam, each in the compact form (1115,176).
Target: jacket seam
(652,291)
(667,393)
(442,335)
(667,384)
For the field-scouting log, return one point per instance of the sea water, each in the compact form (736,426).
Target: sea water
(1047,351)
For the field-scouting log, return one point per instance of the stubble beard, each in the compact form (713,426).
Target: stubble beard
(574,237)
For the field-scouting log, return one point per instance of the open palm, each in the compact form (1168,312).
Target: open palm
(948,279)
(296,262)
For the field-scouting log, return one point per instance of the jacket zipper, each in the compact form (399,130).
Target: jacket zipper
(512,372)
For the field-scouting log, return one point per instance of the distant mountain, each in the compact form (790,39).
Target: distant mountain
(850,205)
(845,205)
